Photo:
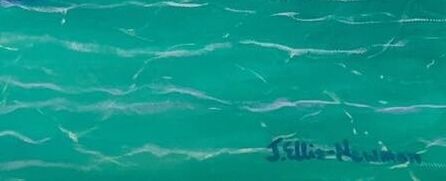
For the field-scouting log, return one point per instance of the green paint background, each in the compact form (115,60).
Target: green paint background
(406,81)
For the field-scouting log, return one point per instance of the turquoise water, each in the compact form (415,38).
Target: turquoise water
(197,90)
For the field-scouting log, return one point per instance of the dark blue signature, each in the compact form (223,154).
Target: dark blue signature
(282,149)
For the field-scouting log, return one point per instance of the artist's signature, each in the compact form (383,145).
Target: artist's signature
(282,149)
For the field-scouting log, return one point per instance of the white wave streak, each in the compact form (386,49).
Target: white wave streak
(293,15)
(40,9)
(183,5)
(73,136)
(82,47)
(68,90)
(9,133)
(256,74)
(401,165)
(8,48)
(283,103)
(412,108)
(187,91)
(413,177)
(422,20)
(106,108)
(141,108)
(192,154)
(188,53)
(436,142)
(65,9)
(357,105)
(285,136)
(23,164)
(240,11)
(141,4)
(37,85)
(352,20)
(100,157)
(313,114)
(301,51)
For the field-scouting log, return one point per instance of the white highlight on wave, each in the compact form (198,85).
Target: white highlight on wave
(23,164)
(284,103)
(191,154)
(73,136)
(10,81)
(188,53)
(106,108)
(40,9)
(240,10)
(6,38)
(256,74)
(159,89)
(8,48)
(23,138)
(109,108)
(301,51)
(411,108)
(65,9)
(169,89)
(309,115)
(441,142)
(98,156)
(351,20)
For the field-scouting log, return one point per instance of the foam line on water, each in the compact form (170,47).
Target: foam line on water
(21,137)
(169,89)
(64,9)
(192,154)
(243,11)
(23,164)
(303,51)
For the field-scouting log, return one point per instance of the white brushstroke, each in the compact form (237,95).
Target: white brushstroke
(256,74)
(168,89)
(67,90)
(100,157)
(23,138)
(421,20)
(73,137)
(64,9)
(183,5)
(402,165)
(23,164)
(428,66)
(104,108)
(313,114)
(301,51)
(192,154)
(240,11)
(188,53)
(441,142)
(283,103)
(8,48)
(285,136)
(413,177)
(409,109)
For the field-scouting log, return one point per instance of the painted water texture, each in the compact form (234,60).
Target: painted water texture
(132,90)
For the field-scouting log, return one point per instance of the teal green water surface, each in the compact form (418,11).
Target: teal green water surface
(197,90)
